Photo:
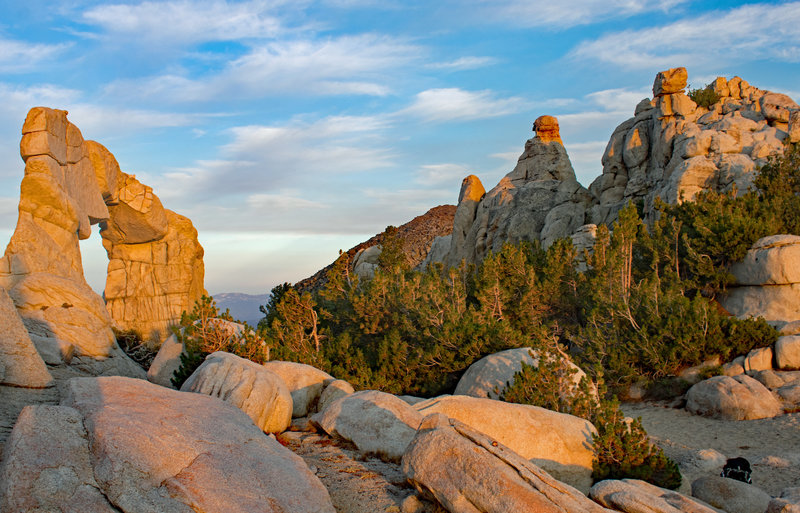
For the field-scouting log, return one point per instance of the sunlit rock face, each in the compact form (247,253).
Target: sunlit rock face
(673,149)
(539,200)
(70,184)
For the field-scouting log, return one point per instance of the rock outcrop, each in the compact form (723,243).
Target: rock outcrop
(70,184)
(539,200)
(767,281)
(470,472)
(252,388)
(561,444)
(671,149)
(120,444)
(732,398)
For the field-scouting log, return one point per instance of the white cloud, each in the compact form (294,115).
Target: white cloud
(187,21)
(263,159)
(449,104)
(346,65)
(549,14)
(585,158)
(447,174)
(280,202)
(19,56)
(750,32)
(464,63)
(99,121)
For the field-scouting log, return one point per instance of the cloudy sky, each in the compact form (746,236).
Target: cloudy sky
(288,129)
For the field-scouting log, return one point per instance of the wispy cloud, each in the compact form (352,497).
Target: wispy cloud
(355,65)
(741,34)
(188,21)
(20,56)
(464,63)
(559,15)
(449,104)
(263,159)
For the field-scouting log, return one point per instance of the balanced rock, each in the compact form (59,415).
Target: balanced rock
(670,81)
(561,444)
(767,281)
(546,128)
(120,444)
(731,495)
(305,383)
(20,364)
(489,376)
(470,472)
(255,390)
(732,398)
(635,496)
(377,422)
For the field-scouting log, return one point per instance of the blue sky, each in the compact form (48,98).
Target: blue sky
(287,130)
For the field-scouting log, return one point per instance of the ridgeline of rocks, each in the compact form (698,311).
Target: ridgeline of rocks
(91,435)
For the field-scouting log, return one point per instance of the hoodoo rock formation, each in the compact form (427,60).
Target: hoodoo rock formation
(672,149)
(156,267)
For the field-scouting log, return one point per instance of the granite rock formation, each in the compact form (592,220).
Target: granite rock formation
(70,184)
(671,149)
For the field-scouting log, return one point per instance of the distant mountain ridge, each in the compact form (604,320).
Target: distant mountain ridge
(243,307)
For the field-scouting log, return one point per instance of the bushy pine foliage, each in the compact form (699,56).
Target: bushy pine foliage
(704,97)
(622,448)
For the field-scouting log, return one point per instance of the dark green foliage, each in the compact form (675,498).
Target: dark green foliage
(190,361)
(705,97)
(269,310)
(622,449)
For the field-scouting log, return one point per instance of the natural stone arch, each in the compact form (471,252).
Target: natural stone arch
(155,262)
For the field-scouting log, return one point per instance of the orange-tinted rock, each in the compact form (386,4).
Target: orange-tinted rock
(546,128)
(670,81)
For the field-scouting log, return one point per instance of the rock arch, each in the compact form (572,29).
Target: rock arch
(155,261)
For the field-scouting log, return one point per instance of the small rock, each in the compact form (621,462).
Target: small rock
(731,495)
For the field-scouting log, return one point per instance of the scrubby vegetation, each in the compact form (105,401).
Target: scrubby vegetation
(643,310)
(705,97)
(134,345)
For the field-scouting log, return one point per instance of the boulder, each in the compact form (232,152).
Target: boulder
(561,444)
(732,398)
(20,364)
(468,471)
(377,422)
(546,128)
(304,382)
(670,81)
(788,502)
(777,107)
(787,352)
(257,391)
(489,376)
(767,281)
(635,496)
(758,360)
(121,444)
(166,362)
(731,495)
(335,390)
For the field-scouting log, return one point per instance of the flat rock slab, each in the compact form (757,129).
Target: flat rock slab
(155,449)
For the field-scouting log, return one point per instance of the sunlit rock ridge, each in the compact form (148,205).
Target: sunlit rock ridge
(672,149)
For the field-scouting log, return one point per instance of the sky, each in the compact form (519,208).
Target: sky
(289,129)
